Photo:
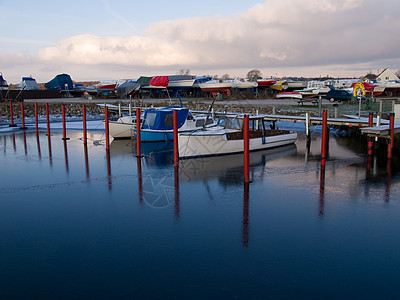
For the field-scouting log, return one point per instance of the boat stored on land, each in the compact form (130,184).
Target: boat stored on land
(227,137)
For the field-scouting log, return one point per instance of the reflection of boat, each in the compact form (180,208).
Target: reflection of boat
(157,124)
(124,147)
(220,166)
(227,137)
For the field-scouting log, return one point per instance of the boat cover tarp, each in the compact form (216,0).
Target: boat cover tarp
(161,81)
(144,80)
(3,82)
(161,119)
(28,84)
(202,79)
(127,88)
(61,82)
(180,77)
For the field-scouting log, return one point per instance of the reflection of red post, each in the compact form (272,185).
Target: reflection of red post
(64,124)
(25,145)
(38,144)
(245,229)
(11,115)
(370,142)
(176,149)
(86,161)
(391,128)
(138,138)
(106,124)
(246,148)
(49,144)
(109,169)
(66,157)
(324,134)
(48,120)
(84,124)
(36,118)
(322,188)
(176,190)
(140,180)
(22,115)
(388,179)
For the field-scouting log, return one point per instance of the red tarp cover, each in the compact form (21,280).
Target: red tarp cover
(159,81)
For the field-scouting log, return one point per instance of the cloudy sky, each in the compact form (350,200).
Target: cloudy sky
(115,39)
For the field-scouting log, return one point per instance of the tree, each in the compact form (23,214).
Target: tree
(254,74)
(183,72)
(225,77)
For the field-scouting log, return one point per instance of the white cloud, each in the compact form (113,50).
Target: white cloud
(275,34)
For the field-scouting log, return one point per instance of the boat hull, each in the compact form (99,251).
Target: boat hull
(192,145)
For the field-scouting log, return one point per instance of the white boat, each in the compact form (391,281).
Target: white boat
(215,85)
(181,81)
(123,127)
(289,95)
(227,137)
(240,83)
(156,124)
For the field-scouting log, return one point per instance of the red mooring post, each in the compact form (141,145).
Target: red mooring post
(370,142)
(12,115)
(138,138)
(36,118)
(22,116)
(107,126)
(84,124)
(324,134)
(48,120)
(176,149)
(390,144)
(246,149)
(64,124)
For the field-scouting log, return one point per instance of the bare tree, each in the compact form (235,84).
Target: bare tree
(225,77)
(183,72)
(254,74)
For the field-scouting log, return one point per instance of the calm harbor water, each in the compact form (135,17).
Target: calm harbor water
(79,222)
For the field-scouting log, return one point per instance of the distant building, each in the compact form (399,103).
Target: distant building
(386,75)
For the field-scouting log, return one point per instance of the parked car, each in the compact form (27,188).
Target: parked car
(339,95)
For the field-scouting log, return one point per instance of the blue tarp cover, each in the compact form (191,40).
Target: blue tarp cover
(61,82)
(161,119)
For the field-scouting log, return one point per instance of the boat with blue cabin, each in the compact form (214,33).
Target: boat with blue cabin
(157,124)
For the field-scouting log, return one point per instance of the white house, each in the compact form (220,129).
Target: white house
(386,75)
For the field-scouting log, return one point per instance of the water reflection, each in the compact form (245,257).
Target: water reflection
(49,149)
(38,145)
(176,191)
(25,145)
(140,179)
(109,178)
(322,188)
(245,222)
(66,156)
(85,149)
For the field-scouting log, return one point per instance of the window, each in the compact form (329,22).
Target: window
(150,119)
(169,122)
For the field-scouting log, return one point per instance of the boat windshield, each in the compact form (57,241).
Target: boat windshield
(233,123)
